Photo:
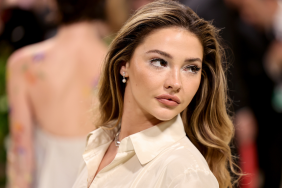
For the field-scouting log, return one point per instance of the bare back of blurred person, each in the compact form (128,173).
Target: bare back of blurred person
(51,89)
(60,75)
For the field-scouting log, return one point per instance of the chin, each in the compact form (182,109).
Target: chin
(165,114)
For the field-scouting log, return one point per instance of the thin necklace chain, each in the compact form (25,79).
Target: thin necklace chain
(117,142)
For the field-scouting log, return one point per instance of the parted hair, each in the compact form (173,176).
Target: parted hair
(72,11)
(206,120)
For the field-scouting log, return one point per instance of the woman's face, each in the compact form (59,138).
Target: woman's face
(164,73)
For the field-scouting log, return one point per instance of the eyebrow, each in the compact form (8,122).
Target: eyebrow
(189,60)
(161,53)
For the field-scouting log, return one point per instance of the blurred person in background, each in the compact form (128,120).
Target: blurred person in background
(20,26)
(260,48)
(27,21)
(50,92)
(118,11)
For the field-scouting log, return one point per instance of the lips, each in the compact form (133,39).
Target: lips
(168,100)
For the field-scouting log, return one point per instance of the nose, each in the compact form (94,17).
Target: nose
(173,81)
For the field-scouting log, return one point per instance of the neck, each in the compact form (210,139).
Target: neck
(134,119)
(86,29)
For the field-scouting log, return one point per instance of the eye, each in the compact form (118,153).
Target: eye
(192,68)
(158,62)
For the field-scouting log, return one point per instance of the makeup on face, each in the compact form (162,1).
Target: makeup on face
(164,73)
(190,64)
(168,100)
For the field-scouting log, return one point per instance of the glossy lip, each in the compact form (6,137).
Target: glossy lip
(169,100)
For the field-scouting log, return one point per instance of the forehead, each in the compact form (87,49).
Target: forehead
(175,40)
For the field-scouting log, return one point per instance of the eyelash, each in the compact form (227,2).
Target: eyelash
(161,61)
(194,68)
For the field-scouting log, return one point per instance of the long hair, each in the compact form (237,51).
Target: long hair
(206,120)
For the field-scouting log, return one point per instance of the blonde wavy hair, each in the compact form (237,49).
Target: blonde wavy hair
(206,120)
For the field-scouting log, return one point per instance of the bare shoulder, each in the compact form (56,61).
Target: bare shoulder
(26,55)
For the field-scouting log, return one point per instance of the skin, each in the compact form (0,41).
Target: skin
(118,11)
(136,4)
(273,62)
(147,79)
(259,12)
(233,3)
(50,85)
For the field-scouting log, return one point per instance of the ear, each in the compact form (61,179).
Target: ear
(124,69)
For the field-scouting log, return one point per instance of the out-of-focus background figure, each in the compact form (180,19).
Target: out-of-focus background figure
(19,26)
(264,85)
(50,92)
(36,21)
(251,31)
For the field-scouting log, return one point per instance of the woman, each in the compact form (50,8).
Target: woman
(50,87)
(163,76)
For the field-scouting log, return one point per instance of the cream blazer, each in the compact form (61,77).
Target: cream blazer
(159,157)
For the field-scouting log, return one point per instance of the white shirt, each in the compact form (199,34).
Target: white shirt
(159,157)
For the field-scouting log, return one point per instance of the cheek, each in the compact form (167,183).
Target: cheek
(143,79)
(190,88)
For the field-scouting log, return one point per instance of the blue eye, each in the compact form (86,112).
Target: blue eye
(158,62)
(192,68)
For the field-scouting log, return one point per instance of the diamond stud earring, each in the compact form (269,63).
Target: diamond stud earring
(124,80)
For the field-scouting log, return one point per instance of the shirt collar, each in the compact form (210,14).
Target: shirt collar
(96,140)
(147,144)
(151,142)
